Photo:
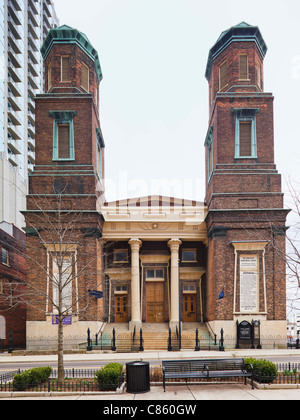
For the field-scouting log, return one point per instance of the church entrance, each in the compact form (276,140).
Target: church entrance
(121,304)
(189,308)
(155,302)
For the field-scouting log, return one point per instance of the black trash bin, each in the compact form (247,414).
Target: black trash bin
(137,377)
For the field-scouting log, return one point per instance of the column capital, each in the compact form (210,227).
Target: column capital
(174,244)
(135,244)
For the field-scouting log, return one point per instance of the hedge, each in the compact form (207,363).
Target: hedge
(263,369)
(108,377)
(31,377)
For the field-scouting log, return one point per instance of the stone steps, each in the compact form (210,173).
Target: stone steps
(156,337)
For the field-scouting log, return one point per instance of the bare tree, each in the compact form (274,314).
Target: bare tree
(57,251)
(288,255)
(292,256)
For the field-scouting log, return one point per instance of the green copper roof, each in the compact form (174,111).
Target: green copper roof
(65,34)
(241,33)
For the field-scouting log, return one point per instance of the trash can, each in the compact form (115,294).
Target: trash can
(137,377)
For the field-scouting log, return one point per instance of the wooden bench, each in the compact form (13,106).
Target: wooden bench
(205,369)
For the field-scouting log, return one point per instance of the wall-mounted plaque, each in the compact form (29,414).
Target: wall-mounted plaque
(248,284)
(244,331)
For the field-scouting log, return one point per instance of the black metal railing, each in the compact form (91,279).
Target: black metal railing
(137,341)
(83,380)
(8,376)
(76,380)
(66,386)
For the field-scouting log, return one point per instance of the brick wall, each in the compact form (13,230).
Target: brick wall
(13,277)
(57,186)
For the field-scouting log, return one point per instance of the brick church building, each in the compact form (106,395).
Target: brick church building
(155,262)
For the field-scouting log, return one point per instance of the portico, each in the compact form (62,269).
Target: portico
(156,257)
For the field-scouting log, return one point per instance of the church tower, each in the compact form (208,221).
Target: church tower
(66,191)
(246,218)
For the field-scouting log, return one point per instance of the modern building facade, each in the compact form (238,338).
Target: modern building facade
(157,262)
(24,25)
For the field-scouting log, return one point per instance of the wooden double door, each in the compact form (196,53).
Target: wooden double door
(155,302)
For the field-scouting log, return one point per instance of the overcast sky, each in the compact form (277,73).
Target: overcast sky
(154,96)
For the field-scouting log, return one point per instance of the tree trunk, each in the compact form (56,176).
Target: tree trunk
(60,350)
(60,335)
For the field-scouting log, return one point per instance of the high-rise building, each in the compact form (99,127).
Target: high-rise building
(24,25)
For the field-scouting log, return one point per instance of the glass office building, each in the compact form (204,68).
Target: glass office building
(24,25)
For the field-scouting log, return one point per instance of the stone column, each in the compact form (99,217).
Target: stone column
(135,245)
(174,245)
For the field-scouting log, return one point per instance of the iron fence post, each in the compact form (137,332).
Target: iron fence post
(89,347)
(141,340)
(113,347)
(221,348)
(197,347)
(169,341)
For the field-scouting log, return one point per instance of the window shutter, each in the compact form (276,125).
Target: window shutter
(63,141)
(223,75)
(85,77)
(65,69)
(244,74)
(245,138)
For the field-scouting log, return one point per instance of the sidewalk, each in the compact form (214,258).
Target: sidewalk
(185,392)
(179,393)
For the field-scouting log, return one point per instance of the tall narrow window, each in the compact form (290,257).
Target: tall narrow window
(65,68)
(245,133)
(223,72)
(100,147)
(244,68)
(5,256)
(99,161)
(62,282)
(245,138)
(85,82)
(63,133)
(49,77)
(258,75)
(210,155)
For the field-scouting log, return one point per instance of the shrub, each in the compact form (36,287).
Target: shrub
(263,369)
(31,377)
(108,377)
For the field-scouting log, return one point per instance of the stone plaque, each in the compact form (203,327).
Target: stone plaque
(249,283)
(245,331)
(249,294)
(248,262)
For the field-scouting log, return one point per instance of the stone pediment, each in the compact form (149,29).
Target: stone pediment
(154,217)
